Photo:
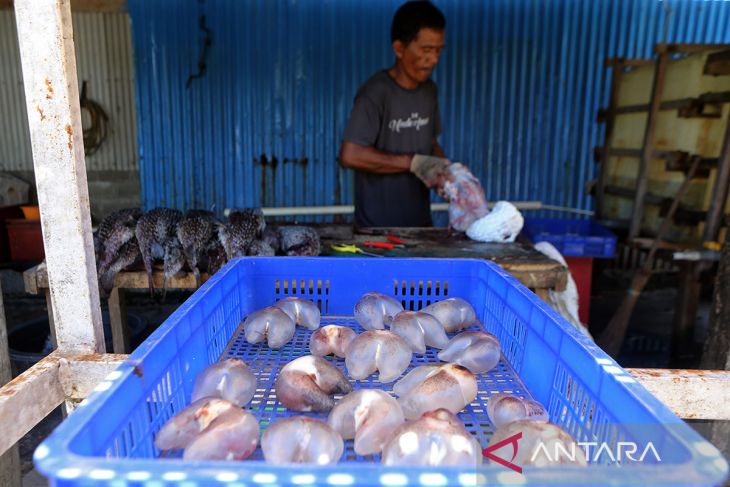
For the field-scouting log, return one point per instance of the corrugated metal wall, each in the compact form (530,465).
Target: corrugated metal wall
(104,60)
(520,83)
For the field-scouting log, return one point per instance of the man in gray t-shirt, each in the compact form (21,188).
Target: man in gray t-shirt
(396,115)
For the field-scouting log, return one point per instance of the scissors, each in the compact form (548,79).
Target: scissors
(352,249)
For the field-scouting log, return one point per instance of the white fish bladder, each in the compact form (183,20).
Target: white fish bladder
(300,439)
(231,436)
(375,310)
(308,383)
(378,350)
(478,351)
(503,409)
(453,313)
(432,386)
(331,339)
(270,324)
(368,416)
(303,311)
(230,379)
(419,330)
(438,438)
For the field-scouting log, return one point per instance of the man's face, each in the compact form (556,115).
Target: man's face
(420,56)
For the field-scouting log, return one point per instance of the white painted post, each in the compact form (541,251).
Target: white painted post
(51,91)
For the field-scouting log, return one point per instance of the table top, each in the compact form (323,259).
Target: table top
(527,265)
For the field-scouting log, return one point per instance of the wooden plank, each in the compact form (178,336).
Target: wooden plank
(608,137)
(648,147)
(717,98)
(79,374)
(29,398)
(690,394)
(85,5)
(10,460)
(718,63)
(719,191)
(691,48)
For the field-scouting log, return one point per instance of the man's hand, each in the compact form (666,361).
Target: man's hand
(430,169)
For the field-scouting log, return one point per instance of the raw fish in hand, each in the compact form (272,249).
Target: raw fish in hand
(438,438)
(304,312)
(331,339)
(433,386)
(506,408)
(369,416)
(230,379)
(182,428)
(300,439)
(453,313)
(478,351)
(541,444)
(308,383)
(467,202)
(231,436)
(378,350)
(271,324)
(419,330)
(375,310)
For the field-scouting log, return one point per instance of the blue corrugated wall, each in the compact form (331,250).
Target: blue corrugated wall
(520,83)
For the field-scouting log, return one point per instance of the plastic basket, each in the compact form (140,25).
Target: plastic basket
(108,440)
(575,238)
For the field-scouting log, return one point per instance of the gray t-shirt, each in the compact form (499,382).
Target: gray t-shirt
(396,120)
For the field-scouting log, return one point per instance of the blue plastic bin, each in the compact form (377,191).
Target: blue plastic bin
(574,238)
(108,440)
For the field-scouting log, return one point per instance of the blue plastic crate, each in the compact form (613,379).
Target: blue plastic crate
(108,440)
(574,238)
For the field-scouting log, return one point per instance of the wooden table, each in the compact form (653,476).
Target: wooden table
(529,266)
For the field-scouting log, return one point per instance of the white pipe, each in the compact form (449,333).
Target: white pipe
(349,209)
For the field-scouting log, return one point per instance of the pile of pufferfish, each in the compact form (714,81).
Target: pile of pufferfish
(420,428)
(196,238)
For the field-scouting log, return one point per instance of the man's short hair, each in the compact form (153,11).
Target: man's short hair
(413,16)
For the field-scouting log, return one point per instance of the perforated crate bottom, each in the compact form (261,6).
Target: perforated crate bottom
(266,364)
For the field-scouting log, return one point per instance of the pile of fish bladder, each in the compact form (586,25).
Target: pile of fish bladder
(421,427)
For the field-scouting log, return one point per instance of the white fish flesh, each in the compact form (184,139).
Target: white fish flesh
(270,324)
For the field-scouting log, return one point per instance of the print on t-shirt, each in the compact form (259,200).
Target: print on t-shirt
(414,121)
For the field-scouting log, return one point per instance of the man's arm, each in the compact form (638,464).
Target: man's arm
(437,149)
(369,159)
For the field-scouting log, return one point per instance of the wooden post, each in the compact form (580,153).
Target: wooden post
(716,353)
(685,314)
(118,320)
(617,74)
(647,150)
(10,460)
(54,116)
(719,191)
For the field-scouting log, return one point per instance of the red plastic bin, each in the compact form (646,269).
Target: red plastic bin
(26,239)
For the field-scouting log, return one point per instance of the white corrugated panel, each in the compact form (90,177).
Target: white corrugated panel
(104,60)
